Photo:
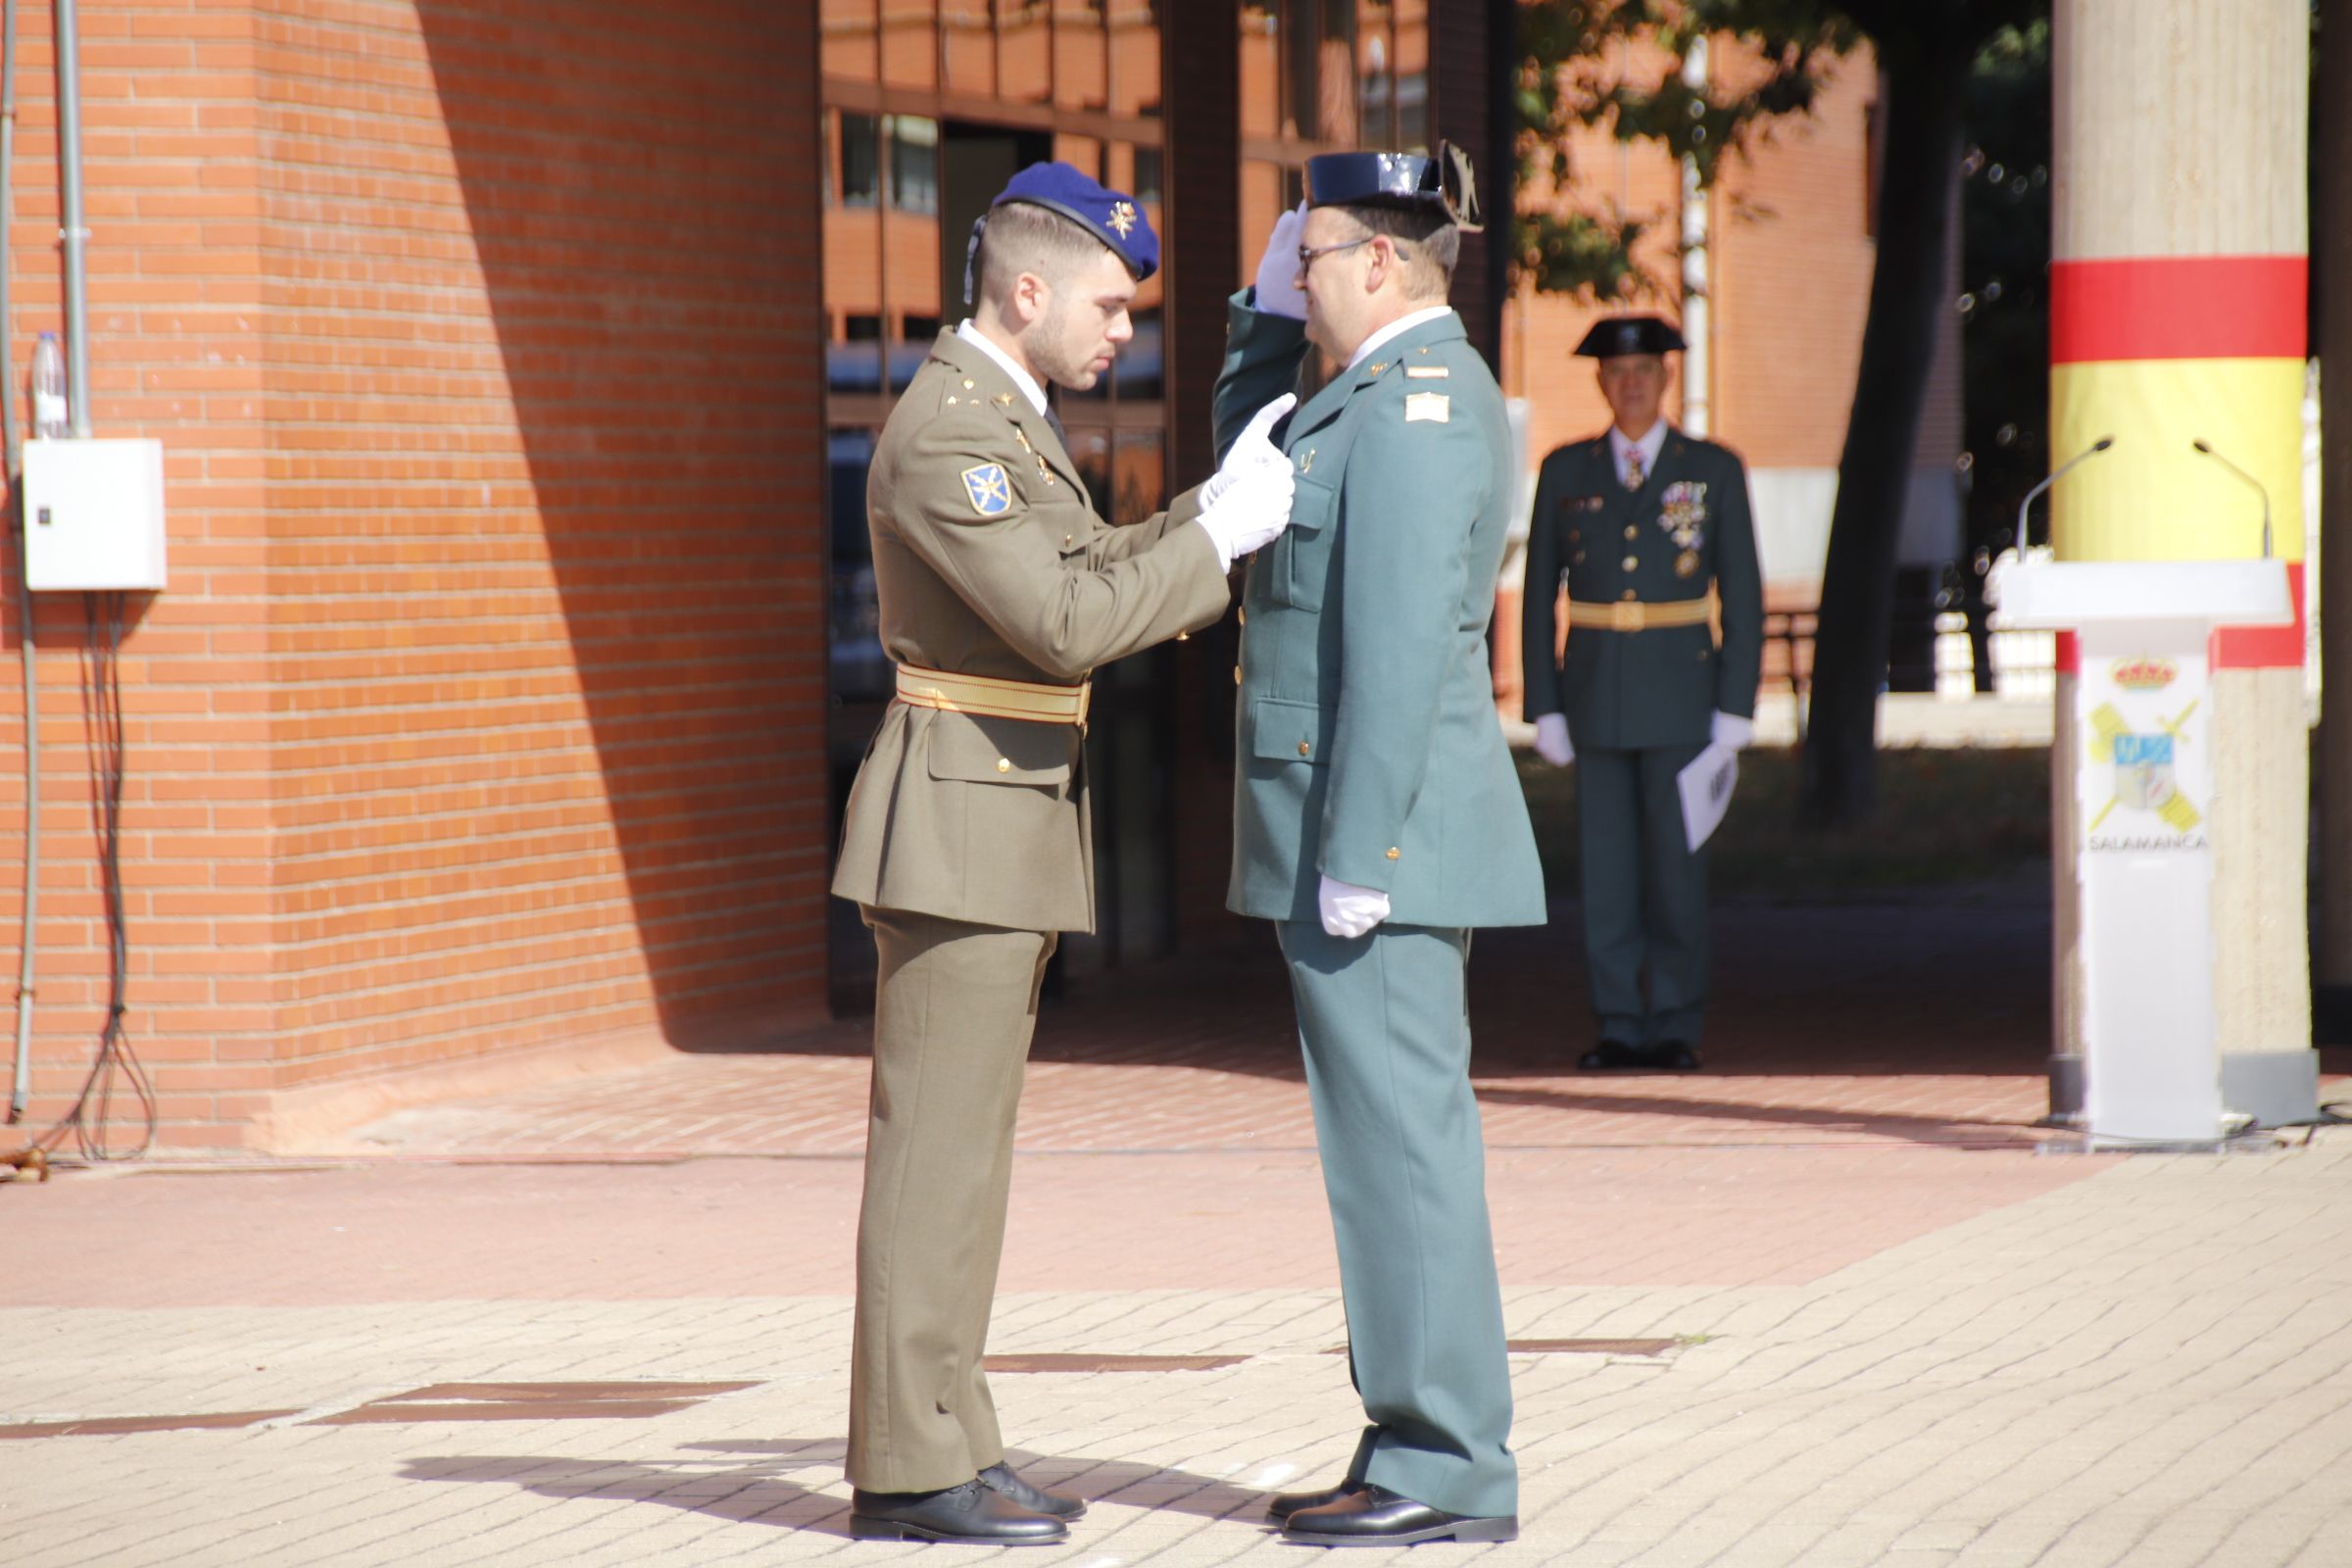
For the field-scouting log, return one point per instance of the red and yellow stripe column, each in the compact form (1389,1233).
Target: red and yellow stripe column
(2178,316)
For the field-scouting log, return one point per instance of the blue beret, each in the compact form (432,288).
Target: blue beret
(1617,335)
(1112,217)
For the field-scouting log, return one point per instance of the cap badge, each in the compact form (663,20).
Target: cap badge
(1122,216)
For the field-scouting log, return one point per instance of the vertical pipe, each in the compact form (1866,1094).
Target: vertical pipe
(76,233)
(1698,403)
(18,1089)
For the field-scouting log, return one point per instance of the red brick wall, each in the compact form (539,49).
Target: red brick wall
(485,708)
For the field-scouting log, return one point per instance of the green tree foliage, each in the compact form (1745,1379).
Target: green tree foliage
(1570,79)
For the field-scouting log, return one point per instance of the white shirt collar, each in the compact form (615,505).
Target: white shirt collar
(1650,444)
(1021,378)
(1402,325)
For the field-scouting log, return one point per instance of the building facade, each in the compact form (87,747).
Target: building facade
(516,362)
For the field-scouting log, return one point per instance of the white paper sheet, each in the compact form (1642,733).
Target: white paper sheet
(1707,785)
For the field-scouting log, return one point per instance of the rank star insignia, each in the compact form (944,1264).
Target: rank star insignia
(990,491)
(1122,216)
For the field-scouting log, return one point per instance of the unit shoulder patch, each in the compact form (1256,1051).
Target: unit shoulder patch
(989,489)
(1435,406)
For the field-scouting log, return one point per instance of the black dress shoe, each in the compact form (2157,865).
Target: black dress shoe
(1279,1508)
(1610,1054)
(1675,1055)
(971,1515)
(1003,1477)
(1378,1517)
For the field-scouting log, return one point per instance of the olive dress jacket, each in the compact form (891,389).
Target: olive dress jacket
(989,561)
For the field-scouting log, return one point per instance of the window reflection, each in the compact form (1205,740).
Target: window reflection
(914,164)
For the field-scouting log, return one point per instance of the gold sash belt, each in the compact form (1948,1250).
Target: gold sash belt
(1634,615)
(994,699)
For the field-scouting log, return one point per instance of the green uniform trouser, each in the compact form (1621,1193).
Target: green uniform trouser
(954,1008)
(1383,1021)
(1645,895)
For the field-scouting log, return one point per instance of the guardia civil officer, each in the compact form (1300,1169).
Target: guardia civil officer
(966,844)
(1645,525)
(1377,817)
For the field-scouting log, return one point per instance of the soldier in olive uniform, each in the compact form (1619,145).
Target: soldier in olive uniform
(966,843)
(1377,816)
(1649,530)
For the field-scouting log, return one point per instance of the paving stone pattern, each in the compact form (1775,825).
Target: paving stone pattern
(1882,1329)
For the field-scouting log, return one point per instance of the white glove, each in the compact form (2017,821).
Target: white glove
(1278,291)
(1254,448)
(1251,514)
(1350,911)
(1731,730)
(1551,740)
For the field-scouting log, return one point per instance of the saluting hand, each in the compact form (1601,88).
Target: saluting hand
(1278,292)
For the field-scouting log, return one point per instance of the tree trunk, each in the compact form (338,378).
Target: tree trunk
(1926,97)
(2332,318)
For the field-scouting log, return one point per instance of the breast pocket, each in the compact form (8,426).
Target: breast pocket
(1302,555)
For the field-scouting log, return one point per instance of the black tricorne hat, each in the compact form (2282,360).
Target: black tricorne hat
(1440,183)
(1618,335)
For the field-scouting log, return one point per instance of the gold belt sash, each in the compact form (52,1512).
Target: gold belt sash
(992,698)
(1634,615)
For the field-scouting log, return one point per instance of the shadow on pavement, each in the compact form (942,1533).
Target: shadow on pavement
(744,1482)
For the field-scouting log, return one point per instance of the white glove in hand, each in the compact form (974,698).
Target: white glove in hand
(1551,740)
(1254,448)
(1278,292)
(1350,911)
(1731,730)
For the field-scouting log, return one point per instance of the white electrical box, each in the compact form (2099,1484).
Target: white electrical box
(93,514)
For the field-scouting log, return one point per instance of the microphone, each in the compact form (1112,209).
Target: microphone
(2259,489)
(2056,474)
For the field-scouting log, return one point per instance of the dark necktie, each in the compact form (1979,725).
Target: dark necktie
(1054,423)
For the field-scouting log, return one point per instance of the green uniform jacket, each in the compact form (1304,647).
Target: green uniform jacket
(1369,749)
(1686,528)
(989,561)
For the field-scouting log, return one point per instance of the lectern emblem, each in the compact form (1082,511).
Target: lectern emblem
(2145,767)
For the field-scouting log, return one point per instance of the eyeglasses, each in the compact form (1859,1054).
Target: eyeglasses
(1308,253)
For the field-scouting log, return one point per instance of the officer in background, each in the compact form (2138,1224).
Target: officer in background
(1641,524)
(966,843)
(1377,814)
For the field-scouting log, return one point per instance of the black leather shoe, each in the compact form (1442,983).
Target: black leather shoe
(1378,1517)
(1610,1054)
(971,1515)
(1003,1477)
(1279,1508)
(1674,1056)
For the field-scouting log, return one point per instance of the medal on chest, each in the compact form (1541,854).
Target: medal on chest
(1682,515)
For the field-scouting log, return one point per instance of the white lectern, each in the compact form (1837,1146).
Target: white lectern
(2144,714)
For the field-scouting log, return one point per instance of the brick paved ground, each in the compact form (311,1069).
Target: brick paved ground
(1896,1334)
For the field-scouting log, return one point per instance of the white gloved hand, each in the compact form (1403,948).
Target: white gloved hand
(1350,911)
(1731,730)
(1551,740)
(1278,292)
(1251,514)
(1254,448)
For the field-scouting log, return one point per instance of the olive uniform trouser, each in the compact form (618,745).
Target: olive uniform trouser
(1384,1024)
(1644,895)
(955,1008)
